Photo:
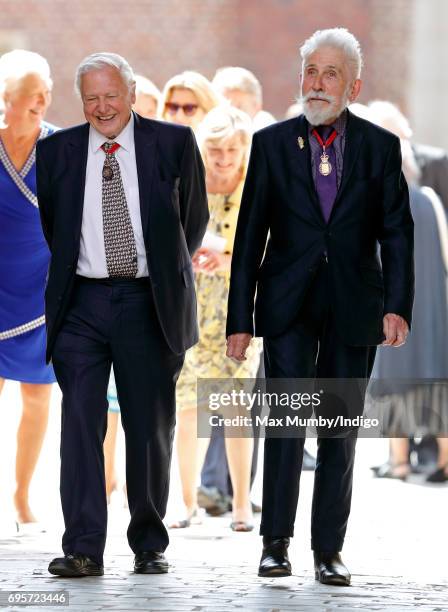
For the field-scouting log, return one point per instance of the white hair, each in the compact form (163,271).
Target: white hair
(97,61)
(146,87)
(361,110)
(17,64)
(390,117)
(339,38)
(235,77)
(223,122)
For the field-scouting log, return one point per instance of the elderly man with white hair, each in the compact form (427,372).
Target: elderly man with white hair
(322,191)
(242,88)
(123,208)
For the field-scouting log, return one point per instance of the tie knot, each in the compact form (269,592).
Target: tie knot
(325,131)
(110,147)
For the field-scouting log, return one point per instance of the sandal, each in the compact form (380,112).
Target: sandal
(389,470)
(241,526)
(192,519)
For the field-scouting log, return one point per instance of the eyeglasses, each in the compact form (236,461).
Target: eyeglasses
(188,109)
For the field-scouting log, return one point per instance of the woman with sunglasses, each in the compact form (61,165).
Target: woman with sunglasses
(224,138)
(187,98)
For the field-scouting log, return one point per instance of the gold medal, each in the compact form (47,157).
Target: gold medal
(325,167)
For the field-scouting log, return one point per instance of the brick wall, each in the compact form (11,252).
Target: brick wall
(163,37)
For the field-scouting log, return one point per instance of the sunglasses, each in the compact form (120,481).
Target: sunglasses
(188,109)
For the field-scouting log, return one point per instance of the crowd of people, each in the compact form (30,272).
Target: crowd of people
(223,114)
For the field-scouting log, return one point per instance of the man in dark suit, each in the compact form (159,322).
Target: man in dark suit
(323,190)
(123,207)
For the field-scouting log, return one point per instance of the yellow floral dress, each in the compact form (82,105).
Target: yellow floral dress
(207,359)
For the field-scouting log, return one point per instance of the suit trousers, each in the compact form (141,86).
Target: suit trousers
(114,322)
(312,348)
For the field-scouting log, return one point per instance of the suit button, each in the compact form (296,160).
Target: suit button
(69,267)
(59,298)
(226,208)
(226,225)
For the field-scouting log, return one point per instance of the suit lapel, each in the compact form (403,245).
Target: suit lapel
(299,148)
(76,152)
(145,154)
(353,141)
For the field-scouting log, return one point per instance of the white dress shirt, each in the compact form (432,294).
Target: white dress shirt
(92,253)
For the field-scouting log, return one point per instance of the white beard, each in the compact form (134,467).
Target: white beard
(319,116)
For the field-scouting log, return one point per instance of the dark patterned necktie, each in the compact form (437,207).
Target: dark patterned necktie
(119,240)
(326,186)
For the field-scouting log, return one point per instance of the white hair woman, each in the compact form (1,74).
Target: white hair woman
(147,97)
(224,137)
(187,98)
(25,87)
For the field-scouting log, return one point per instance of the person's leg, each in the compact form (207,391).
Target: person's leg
(335,455)
(30,437)
(239,456)
(443,453)
(215,472)
(288,356)
(146,372)
(441,473)
(110,442)
(82,362)
(191,452)
(399,457)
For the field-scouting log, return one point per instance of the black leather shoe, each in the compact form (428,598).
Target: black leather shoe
(274,559)
(150,562)
(329,569)
(75,566)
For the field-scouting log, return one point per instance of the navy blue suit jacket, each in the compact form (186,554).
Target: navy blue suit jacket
(174,213)
(282,235)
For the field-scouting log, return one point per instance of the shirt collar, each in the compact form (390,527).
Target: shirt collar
(125,138)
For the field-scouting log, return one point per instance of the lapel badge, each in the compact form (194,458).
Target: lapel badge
(300,142)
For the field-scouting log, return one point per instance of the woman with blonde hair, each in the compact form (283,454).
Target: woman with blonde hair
(187,98)
(25,89)
(224,137)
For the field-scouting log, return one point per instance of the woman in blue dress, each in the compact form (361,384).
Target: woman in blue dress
(25,89)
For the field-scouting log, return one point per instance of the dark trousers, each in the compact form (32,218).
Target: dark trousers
(114,322)
(312,348)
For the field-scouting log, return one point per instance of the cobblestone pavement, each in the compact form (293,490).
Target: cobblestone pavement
(396,548)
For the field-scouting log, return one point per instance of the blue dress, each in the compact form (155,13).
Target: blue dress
(24,258)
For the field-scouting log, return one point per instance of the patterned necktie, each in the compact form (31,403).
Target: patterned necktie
(326,186)
(119,240)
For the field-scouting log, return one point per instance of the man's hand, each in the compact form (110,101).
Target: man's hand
(395,329)
(237,346)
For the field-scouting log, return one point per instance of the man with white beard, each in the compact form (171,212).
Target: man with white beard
(322,190)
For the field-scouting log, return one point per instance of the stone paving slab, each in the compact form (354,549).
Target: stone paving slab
(396,549)
(199,585)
